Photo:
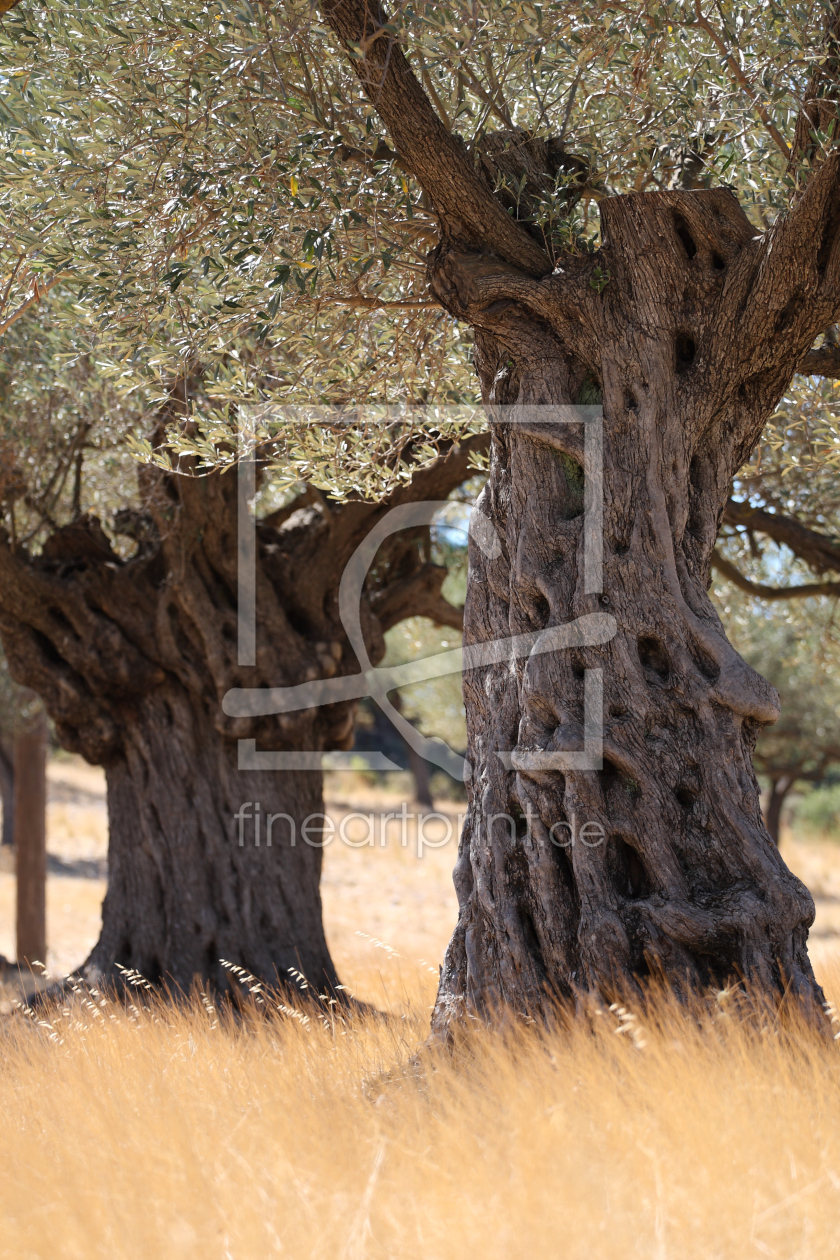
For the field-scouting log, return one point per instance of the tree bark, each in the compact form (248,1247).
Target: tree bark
(133,659)
(689,326)
(686,884)
(30,836)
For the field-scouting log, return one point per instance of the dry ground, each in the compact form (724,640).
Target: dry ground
(134,1135)
(384,892)
(387,893)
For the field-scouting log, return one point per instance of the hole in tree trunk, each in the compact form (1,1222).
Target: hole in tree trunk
(572,488)
(654,659)
(589,394)
(539,611)
(685,795)
(686,351)
(532,942)
(630,401)
(707,665)
(48,648)
(612,776)
(686,239)
(61,622)
(627,870)
(718,263)
(788,315)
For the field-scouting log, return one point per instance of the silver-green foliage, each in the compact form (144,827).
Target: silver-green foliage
(209,185)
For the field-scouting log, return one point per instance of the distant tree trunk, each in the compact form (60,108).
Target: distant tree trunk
(422,779)
(779,788)
(30,835)
(133,660)
(418,766)
(7,795)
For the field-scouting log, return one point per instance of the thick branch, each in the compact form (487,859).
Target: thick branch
(822,362)
(728,570)
(445,474)
(417,596)
(468,210)
(786,289)
(816,550)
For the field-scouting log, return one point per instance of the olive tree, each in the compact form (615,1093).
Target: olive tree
(236,187)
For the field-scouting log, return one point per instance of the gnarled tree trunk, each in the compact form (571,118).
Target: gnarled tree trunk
(133,659)
(676,875)
(689,325)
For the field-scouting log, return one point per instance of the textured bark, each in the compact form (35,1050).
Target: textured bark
(687,884)
(133,660)
(30,839)
(688,326)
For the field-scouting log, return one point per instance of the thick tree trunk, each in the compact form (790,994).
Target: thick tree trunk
(676,876)
(7,795)
(30,837)
(779,789)
(206,862)
(133,660)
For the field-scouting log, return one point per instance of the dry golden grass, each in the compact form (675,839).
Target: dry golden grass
(170,1134)
(162,1135)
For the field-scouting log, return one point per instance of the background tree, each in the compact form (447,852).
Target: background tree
(130,636)
(794,644)
(30,830)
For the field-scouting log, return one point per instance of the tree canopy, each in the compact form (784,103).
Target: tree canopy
(211,185)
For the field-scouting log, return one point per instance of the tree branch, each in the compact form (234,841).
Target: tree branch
(787,287)
(728,570)
(742,80)
(819,552)
(438,479)
(40,290)
(467,208)
(822,362)
(417,596)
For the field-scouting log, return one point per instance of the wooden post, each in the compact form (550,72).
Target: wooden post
(30,813)
(7,793)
